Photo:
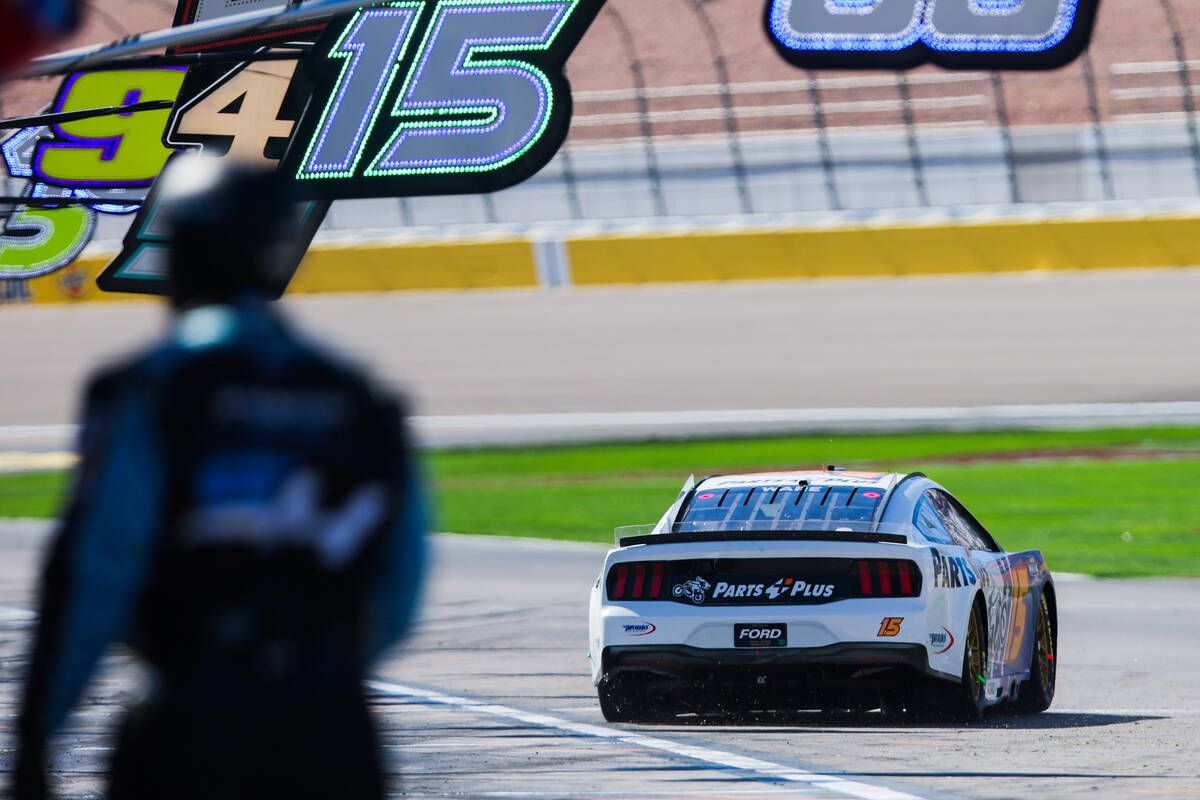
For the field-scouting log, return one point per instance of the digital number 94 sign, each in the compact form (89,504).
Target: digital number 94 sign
(972,34)
(438,97)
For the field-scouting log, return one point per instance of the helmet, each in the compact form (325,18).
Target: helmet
(232,230)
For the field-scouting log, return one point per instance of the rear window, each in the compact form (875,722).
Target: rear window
(785,507)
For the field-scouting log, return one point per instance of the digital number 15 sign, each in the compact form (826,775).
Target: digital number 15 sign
(437,97)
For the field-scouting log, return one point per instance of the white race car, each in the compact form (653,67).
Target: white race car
(829,590)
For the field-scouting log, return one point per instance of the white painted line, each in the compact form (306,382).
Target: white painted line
(708,755)
(19,432)
(1071,577)
(948,418)
(723,793)
(1130,712)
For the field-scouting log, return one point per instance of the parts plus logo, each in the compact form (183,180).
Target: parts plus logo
(638,628)
(784,587)
(695,590)
(951,571)
(965,34)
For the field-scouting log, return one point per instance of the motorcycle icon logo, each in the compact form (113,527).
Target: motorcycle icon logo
(693,590)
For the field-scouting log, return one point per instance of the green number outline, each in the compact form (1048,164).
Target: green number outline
(373,171)
(51,248)
(417,6)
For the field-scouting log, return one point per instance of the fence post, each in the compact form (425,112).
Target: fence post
(639,84)
(910,132)
(568,168)
(1102,154)
(735,147)
(814,97)
(489,208)
(1010,152)
(1189,104)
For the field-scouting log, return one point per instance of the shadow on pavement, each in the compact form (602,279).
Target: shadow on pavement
(767,723)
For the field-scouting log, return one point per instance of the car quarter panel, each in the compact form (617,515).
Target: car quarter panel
(1013,584)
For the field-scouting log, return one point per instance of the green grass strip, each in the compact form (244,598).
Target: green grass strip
(1123,502)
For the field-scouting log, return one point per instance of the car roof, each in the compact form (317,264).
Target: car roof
(875,480)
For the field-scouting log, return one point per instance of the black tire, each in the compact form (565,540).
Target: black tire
(623,698)
(1038,691)
(616,704)
(964,701)
(929,699)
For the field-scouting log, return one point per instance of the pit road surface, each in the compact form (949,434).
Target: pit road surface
(492,698)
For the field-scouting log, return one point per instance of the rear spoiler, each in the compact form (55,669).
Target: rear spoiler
(764,536)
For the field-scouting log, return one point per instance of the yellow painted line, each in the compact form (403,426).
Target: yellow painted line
(36,462)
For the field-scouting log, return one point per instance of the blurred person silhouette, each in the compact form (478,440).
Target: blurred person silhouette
(246,517)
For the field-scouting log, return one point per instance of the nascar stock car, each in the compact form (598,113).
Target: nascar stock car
(825,590)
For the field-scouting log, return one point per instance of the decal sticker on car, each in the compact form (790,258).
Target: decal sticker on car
(694,590)
(943,639)
(638,628)
(951,571)
(784,587)
(890,626)
(760,634)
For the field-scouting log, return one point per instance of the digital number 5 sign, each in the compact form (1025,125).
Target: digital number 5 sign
(971,34)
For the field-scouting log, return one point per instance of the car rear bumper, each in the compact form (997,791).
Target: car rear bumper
(688,662)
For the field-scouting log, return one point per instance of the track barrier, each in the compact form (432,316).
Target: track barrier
(670,256)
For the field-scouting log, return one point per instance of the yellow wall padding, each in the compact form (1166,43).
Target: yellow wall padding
(899,250)
(389,267)
(707,255)
(76,283)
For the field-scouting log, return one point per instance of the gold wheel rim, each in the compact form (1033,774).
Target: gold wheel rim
(975,656)
(1045,646)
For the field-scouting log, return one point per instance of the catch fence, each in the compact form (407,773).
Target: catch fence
(683,112)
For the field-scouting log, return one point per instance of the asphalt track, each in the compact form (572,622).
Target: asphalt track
(1119,337)
(492,698)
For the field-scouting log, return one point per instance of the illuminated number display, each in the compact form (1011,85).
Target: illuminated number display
(993,34)
(38,241)
(440,97)
(242,113)
(118,151)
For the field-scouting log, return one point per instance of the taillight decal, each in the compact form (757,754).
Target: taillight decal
(864,578)
(622,578)
(885,578)
(905,578)
(639,581)
(656,581)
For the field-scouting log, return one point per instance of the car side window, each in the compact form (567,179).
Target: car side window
(928,524)
(961,528)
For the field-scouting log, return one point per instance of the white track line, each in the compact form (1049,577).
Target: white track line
(708,755)
(997,417)
(1129,712)
(950,417)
